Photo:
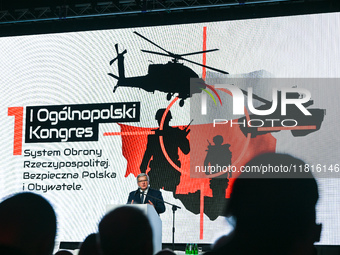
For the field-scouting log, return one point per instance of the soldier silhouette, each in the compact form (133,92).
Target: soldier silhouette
(218,159)
(162,174)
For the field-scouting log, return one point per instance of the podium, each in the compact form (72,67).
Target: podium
(154,219)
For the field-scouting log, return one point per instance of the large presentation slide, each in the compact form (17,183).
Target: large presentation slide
(83,113)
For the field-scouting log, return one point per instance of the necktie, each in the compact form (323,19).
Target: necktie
(142,197)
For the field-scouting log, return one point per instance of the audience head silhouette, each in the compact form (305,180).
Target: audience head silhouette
(125,230)
(27,224)
(90,246)
(166,251)
(274,212)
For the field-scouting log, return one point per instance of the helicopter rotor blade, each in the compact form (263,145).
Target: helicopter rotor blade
(198,52)
(157,53)
(114,76)
(151,42)
(113,60)
(176,56)
(214,69)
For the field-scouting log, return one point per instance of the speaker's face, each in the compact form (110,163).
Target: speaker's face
(143,182)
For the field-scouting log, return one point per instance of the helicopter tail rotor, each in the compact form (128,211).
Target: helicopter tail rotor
(113,60)
(119,55)
(114,76)
(121,70)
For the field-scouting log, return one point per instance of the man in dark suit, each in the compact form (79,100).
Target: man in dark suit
(146,195)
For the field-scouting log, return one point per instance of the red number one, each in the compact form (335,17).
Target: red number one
(18,113)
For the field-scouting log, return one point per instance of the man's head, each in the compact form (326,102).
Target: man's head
(28,223)
(278,207)
(143,181)
(125,230)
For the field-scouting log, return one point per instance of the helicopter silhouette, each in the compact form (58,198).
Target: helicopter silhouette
(171,78)
(174,77)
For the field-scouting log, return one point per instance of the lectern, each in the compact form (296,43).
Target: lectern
(154,219)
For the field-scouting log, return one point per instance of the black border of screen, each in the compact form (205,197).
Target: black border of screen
(163,18)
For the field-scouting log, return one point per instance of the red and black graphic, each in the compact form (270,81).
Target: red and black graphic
(162,173)
(173,76)
(218,156)
(171,170)
(164,153)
